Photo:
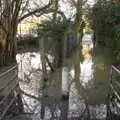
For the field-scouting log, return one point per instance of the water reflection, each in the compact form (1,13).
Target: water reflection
(86,67)
(30,78)
(80,108)
(80,92)
(45,99)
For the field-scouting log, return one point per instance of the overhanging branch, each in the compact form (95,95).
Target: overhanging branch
(39,10)
(52,11)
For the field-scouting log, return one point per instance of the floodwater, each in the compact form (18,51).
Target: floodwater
(76,91)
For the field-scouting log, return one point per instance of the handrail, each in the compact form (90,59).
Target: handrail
(12,88)
(4,73)
(116,69)
(115,92)
(9,82)
(7,108)
(4,98)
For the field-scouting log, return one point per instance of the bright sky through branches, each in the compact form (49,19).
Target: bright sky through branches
(65,6)
(91,2)
(69,11)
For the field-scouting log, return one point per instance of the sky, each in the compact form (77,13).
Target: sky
(69,12)
(64,6)
(91,2)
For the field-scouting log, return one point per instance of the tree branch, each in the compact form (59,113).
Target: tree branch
(74,3)
(50,65)
(2,26)
(24,7)
(29,95)
(84,1)
(16,10)
(36,11)
(51,11)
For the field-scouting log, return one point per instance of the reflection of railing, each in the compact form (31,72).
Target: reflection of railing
(114,95)
(8,90)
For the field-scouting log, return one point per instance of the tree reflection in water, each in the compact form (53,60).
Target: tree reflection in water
(46,102)
(79,101)
(86,67)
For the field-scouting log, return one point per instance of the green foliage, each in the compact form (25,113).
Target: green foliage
(88,19)
(53,29)
(106,19)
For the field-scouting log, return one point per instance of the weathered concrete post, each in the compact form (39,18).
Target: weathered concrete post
(65,80)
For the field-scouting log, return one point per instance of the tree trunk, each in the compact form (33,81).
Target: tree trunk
(42,57)
(77,65)
(78,21)
(58,54)
(8,46)
(65,47)
(9,52)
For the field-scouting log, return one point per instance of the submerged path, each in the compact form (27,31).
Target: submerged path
(88,86)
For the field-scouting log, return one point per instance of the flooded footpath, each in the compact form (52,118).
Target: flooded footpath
(76,91)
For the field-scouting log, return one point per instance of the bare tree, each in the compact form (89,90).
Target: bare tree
(12,12)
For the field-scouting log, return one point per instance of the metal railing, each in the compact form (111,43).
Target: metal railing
(114,94)
(8,90)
